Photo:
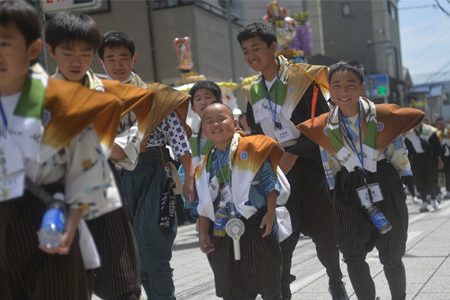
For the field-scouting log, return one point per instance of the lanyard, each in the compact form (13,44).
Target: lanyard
(233,213)
(274,112)
(2,111)
(348,137)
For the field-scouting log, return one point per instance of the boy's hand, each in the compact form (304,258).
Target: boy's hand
(73,218)
(205,243)
(267,222)
(440,165)
(287,161)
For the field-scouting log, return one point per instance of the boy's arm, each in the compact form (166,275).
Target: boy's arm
(70,228)
(268,218)
(188,186)
(203,237)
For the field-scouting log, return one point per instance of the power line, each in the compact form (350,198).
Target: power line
(431,44)
(441,8)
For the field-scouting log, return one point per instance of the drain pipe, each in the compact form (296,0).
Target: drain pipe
(152,43)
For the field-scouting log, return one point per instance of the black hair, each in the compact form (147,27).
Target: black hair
(116,39)
(209,85)
(220,103)
(243,115)
(24,16)
(71,26)
(257,29)
(347,65)
(439,119)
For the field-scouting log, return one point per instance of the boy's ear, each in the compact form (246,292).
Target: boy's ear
(35,49)
(135,57)
(50,50)
(100,61)
(193,108)
(273,48)
(363,88)
(235,122)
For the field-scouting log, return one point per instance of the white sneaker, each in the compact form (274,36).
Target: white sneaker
(435,204)
(416,200)
(424,207)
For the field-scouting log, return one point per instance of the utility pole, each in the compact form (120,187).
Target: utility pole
(369,44)
(230,37)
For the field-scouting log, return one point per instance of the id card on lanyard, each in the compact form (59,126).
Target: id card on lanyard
(369,193)
(276,125)
(12,173)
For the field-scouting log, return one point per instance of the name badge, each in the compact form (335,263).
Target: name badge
(284,135)
(12,173)
(226,193)
(363,193)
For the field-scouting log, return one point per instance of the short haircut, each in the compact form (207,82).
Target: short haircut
(345,66)
(116,39)
(24,16)
(69,27)
(209,85)
(257,29)
(220,103)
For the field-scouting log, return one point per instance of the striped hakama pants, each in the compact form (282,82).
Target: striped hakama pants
(26,272)
(118,276)
(143,188)
(258,271)
(357,235)
(311,214)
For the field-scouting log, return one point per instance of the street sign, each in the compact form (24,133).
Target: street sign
(377,86)
(53,6)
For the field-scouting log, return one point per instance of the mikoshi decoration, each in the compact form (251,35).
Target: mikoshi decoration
(183,48)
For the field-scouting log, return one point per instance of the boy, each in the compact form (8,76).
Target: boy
(72,39)
(254,162)
(202,93)
(444,137)
(155,231)
(279,98)
(427,159)
(364,152)
(46,135)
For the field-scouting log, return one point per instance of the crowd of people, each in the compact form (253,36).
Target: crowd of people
(295,163)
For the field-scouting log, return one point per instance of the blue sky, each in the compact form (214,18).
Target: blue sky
(425,39)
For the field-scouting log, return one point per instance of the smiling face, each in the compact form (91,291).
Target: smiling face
(73,60)
(345,90)
(15,57)
(258,56)
(202,98)
(218,125)
(118,62)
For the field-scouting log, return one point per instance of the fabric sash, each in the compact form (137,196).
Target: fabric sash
(247,154)
(390,119)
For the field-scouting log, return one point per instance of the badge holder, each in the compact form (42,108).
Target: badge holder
(369,194)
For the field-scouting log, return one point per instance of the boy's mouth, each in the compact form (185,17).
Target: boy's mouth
(345,100)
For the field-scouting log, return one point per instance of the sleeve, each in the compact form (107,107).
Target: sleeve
(129,139)
(398,156)
(436,143)
(89,182)
(176,135)
(268,177)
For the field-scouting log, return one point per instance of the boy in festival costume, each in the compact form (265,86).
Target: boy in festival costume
(154,224)
(72,39)
(202,93)
(252,177)
(444,137)
(364,152)
(426,161)
(279,98)
(47,136)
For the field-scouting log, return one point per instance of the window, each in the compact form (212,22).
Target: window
(392,10)
(345,7)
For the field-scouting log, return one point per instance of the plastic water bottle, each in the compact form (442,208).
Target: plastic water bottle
(379,219)
(221,220)
(52,226)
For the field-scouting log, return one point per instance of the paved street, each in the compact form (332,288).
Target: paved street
(427,263)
